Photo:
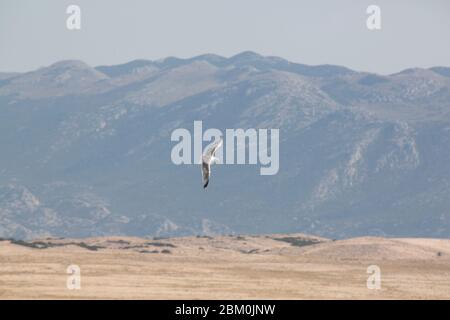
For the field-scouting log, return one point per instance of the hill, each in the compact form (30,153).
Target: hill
(275,266)
(85,151)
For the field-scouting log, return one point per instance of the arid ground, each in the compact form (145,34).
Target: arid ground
(293,266)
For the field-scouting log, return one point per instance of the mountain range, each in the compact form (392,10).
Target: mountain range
(85,151)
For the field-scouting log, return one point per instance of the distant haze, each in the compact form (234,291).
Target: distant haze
(413,34)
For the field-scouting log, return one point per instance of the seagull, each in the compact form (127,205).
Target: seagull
(207,160)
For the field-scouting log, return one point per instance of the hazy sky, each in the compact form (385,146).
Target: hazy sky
(414,33)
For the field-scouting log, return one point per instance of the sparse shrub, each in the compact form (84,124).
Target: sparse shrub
(203,237)
(148,251)
(87,246)
(135,246)
(250,251)
(160,244)
(45,245)
(119,241)
(298,242)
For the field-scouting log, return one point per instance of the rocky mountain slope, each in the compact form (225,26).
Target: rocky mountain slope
(86,151)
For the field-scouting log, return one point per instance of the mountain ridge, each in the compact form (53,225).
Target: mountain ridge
(360,154)
(249,55)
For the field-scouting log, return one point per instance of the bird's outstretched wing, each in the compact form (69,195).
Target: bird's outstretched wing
(207,161)
(206,172)
(209,154)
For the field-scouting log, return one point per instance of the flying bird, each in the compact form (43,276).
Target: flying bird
(207,160)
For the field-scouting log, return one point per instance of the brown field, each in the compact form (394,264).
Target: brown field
(292,266)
